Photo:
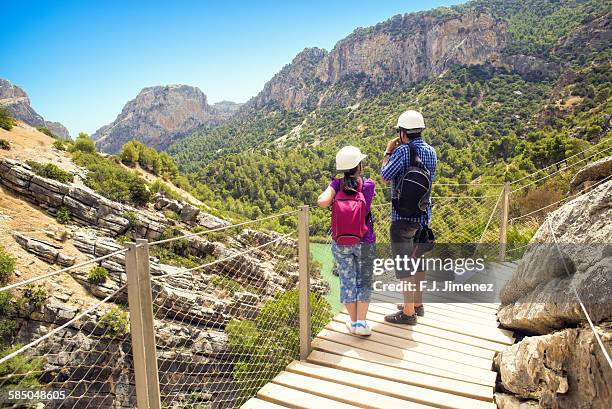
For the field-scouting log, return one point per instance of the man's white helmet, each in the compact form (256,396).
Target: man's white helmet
(348,158)
(412,121)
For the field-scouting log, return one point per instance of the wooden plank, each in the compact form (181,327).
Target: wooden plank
(136,327)
(440,309)
(443,315)
(388,387)
(434,382)
(441,299)
(406,333)
(477,331)
(304,281)
(490,327)
(255,403)
(293,398)
(411,365)
(440,333)
(407,355)
(425,349)
(347,394)
(148,325)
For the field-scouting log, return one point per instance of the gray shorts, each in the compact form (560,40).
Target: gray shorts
(402,234)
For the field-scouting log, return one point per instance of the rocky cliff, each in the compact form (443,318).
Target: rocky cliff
(398,52)
(158,115)
(559,364)
(17,102)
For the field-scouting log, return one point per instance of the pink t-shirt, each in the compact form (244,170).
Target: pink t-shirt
(369,192)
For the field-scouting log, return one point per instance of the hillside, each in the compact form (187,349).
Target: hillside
(161,114)
(530,88)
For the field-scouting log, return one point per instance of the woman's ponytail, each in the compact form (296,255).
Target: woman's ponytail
(350,182)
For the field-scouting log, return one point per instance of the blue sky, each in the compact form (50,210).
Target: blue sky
(81,61)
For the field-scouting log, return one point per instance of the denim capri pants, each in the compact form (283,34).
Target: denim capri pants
(355,264)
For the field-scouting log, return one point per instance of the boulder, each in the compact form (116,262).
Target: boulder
(189,213)
(591,174)
(539,297)
(45,251)
(566,369)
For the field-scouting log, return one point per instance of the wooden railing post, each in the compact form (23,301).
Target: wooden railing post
(503,226)
(142,325)
(304,281)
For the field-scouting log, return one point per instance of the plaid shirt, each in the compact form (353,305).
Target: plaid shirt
(398,164)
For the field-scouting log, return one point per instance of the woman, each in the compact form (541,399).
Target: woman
(353,238)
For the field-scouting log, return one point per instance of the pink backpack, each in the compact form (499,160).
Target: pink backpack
(349,213)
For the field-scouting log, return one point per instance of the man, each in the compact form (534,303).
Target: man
(410,124)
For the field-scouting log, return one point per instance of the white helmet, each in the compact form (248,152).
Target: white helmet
(412,121)
(348,158)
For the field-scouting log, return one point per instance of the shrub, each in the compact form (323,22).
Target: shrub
(7,121)
(8,326)
(172,215)
(34,295)
(264,347)
(112,180)
(22,371)
(50,171)
(115,322)
(4,144)
(132,217)
(63,215)
(84,143)
(7,266)
(123,239)
(47,132)
(61,145)
(97,275)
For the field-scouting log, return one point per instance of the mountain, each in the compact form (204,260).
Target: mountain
(16,100)
(161,114)
(506,88)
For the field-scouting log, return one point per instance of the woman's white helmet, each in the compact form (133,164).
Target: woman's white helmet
(348,158)
(412,121)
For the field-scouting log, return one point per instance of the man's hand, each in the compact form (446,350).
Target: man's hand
(393,143)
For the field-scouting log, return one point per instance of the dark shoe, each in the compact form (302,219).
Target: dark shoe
(401,318)
(420,310)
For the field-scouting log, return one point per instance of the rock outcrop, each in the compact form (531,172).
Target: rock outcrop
(17,102)
(396,53)
(44,250)
(85,206)
(559,364)
(159,115)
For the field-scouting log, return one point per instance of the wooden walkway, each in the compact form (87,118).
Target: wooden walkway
(445,361)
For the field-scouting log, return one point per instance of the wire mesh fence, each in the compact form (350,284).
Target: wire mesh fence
(66,356)
(226,326)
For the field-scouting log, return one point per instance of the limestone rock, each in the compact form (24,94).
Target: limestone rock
(396,53)
(158,115)
(565,369)
(44,250)
(539,297)
(591,174)
(17,102)
(505,401)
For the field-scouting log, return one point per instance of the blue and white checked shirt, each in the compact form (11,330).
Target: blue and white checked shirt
(397,166)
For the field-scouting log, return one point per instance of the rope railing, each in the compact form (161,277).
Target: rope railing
(580,192)
(560,170)
(556,164)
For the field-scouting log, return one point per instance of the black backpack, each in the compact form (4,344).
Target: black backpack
(413,191)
